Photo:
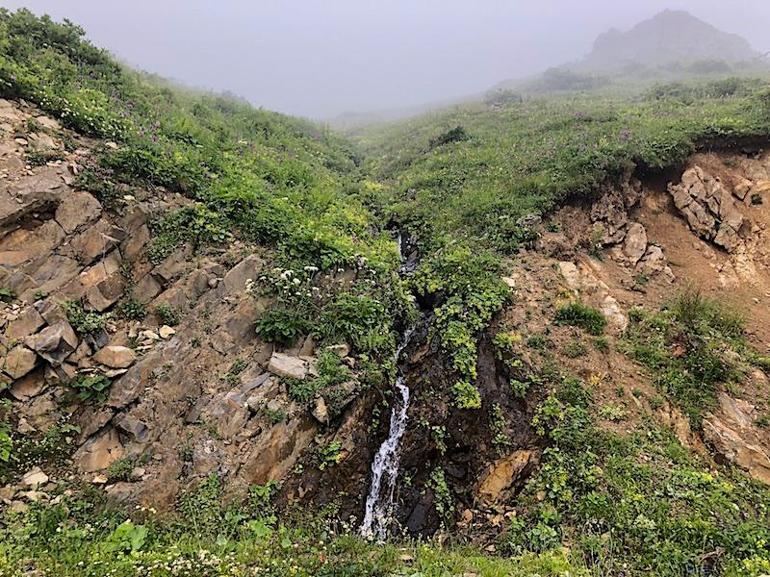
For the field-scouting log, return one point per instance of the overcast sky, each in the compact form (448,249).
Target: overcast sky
(320,58)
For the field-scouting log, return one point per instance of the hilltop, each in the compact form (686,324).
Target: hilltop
(672,37)
(210,315)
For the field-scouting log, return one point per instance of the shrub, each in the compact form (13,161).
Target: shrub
(282,325)
(167,315)
(579,315)
(91,388)
(466,396)
(84,322)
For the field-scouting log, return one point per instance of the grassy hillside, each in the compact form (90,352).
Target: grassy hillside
(459,186)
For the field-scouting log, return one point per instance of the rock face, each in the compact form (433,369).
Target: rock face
(708,208)
(54,343)
(731,433)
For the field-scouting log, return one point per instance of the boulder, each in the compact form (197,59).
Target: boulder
(115,357)
(29,386)
(99,452)
(285,365)
(635,243)
(54,343)
(18,362)
(27,323)
(34,478)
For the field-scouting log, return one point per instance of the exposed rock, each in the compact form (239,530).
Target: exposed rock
(95,242)
(654,262)
(99,452)
(115,357)
(166,332)
(54,343)
(708,208)
(732,434)
(136,429)
(27,323)
(78,209)
(29,386)
(614,313)
(635,243)
(503,474)
(287,366)
(34,478)
(248,268)
(18,362)
(320,411)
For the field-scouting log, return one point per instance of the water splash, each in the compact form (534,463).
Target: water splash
(379,501)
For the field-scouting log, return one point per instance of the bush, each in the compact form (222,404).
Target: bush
(466,396)
(282,326)
(579,315)
(167,315)
(84,322)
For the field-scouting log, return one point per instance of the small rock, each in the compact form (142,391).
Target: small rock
(149,335)
(34,478)
(285,365)
(137,473)
(342,350)
(99,479)
(115,357)
(166,332)
(321,411)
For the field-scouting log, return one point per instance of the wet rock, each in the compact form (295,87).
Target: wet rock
(115,357)
(54,343)
(287,366)
(18,362)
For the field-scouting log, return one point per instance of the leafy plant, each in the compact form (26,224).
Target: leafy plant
(167,315)
(84,322)
(91,388)
(579,315)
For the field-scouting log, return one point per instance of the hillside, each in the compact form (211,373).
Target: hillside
(672,37)
(669,47)
(520,337)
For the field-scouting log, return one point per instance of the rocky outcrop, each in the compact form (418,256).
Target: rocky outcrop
(731,433)
(708,207)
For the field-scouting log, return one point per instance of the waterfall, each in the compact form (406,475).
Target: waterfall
(379,501)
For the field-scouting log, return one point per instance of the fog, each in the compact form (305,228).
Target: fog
(322,58)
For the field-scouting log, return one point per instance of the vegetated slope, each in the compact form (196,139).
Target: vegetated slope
(203,319)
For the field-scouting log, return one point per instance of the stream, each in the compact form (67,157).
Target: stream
(379,501)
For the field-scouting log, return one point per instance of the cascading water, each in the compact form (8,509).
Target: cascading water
(379,502)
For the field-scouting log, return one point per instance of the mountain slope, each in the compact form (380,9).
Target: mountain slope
(670,37)
(203,303)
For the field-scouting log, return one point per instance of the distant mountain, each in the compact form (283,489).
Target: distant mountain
(670,37)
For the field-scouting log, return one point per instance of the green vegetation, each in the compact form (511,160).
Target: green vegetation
(692,348)
(84,322)
(579,315)
(91,388)
(167,315)
(638,503)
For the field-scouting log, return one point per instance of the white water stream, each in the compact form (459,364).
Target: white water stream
(379,502)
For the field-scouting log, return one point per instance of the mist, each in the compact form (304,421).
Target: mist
(324,58)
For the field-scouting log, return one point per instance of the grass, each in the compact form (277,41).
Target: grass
(693,347)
